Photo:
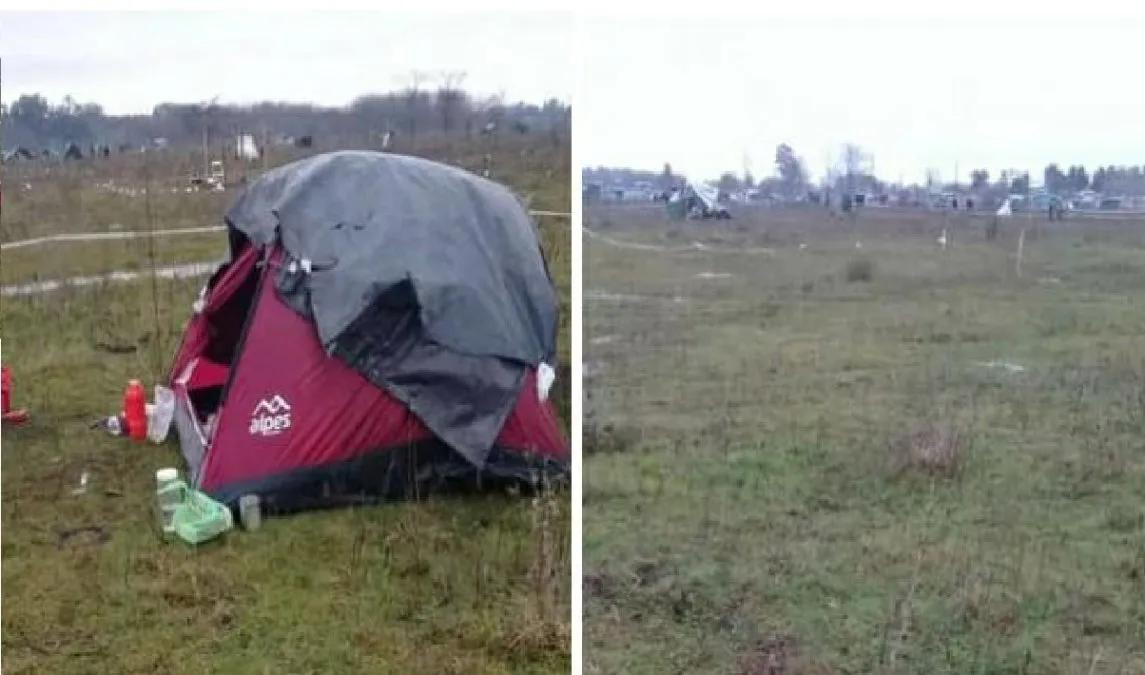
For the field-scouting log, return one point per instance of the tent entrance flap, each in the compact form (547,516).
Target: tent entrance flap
(212,339)
(226,320)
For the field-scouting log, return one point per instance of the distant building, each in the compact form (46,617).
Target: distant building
(592,192)
(18,154)
(1087,199)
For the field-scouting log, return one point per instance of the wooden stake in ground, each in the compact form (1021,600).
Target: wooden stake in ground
(1018,259)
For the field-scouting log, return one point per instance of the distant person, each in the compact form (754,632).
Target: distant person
(969,204)
(954,203)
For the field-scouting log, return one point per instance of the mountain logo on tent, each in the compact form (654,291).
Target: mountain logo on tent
(270,417)
(272,406)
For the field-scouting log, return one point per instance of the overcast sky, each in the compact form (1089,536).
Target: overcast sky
(915,94)
(129,62)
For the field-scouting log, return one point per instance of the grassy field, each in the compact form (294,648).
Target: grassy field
(474,584)
(816,445)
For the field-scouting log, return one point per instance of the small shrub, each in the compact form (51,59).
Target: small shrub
(607,438)
(932,450)
(860,269)
(780,655)
(992,230)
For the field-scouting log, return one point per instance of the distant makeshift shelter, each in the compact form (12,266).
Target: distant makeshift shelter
(18,153)
(696,201)
(245,147)
(73,152)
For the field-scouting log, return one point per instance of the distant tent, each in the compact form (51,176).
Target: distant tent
(245,147)
(1005,209)
(335,359)
(696,200)
(73,152)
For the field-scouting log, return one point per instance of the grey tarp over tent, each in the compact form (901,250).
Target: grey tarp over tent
(426,279)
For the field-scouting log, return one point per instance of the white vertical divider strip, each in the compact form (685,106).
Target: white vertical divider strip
(576,327)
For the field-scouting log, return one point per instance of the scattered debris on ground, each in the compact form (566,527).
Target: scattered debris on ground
(606,296)
(82,487)
(1004,365)
(87,535)
(102,346)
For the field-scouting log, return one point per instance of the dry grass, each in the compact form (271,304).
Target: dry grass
(763,408)
(780,655)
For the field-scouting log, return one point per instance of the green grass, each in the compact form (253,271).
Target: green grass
(472,584)
(745,423)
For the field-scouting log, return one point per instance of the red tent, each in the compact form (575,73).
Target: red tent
(264,408)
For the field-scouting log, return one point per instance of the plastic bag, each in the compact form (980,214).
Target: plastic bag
(545,378)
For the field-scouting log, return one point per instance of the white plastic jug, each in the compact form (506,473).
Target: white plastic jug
(170,493)
(160,414)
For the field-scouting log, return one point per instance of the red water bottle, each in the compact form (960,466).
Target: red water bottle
(135,410)
(5,390)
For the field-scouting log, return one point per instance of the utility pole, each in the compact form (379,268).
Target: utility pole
(207,105)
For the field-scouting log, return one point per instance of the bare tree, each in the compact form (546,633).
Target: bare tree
(933,179)
(487,112)
(792,175)
(413,96)
(855,163)
(450,98)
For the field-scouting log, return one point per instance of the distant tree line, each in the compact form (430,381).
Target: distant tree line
(1128,180)
(790,177)
(32,122)
(605,176)
(853,171)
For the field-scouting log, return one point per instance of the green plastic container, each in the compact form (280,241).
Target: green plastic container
(200,518)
